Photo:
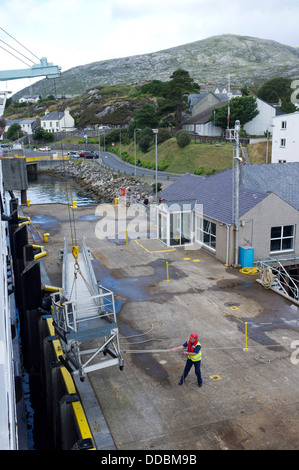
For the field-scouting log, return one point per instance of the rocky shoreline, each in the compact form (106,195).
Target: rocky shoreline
(103,184)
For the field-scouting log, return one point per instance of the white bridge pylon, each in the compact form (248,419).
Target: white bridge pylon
(84,317)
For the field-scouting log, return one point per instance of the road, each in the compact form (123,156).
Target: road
(109,160)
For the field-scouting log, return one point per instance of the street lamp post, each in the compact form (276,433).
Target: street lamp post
(155,132)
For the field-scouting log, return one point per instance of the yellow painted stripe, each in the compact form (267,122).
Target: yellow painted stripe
(158,251)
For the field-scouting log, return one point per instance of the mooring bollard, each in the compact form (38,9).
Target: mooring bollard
(46,237)
(246,349)
(167,273)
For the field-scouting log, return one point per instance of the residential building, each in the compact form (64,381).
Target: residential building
(29,99)
(263,121)
(199,211)
(10,122)
(285,138)
(28,125)
(58,122)
(202,123)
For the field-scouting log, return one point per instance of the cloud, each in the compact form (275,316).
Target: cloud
(71,32)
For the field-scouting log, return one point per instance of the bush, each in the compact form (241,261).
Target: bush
(211,171)
(199,170)
(145,143)
(183,138)
(163,135)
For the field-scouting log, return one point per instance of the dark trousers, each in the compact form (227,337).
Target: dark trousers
(188,366)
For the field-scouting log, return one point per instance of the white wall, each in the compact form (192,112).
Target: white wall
(285,140)
(263,121)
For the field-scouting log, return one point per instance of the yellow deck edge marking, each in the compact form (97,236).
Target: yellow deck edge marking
(80,417)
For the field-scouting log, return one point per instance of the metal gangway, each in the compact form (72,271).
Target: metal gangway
(84,316)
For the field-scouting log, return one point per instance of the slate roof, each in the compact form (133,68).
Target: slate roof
(215,193)
(55,116)
(279,178)
(204,116)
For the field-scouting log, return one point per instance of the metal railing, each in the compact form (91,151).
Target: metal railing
(278,277)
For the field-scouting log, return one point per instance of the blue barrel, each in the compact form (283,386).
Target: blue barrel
(246,256)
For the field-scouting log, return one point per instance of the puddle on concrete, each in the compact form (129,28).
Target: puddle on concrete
(132,288)
(88,218)
(276,312)
(46,220)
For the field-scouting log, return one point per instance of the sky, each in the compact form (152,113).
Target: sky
(72,32)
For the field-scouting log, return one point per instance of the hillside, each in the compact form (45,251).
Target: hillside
(247,59)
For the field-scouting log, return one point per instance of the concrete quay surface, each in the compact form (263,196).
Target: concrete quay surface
(249,398)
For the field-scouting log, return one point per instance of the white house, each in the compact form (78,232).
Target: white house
(285,138)
(263,121)
(28,125)
(29,99)
(58,122)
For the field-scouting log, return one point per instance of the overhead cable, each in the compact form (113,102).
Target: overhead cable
(14,56)
(19,43)
(28,58)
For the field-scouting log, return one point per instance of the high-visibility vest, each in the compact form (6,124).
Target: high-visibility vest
(197,357)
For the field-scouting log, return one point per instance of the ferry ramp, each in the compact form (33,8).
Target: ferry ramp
(84,315)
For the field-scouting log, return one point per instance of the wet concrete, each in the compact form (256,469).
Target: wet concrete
(249,398)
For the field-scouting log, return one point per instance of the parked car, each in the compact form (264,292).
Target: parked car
(73,154)
(44,149)
(89,155)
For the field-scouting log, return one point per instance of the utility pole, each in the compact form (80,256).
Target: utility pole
(155,132)
(237,189)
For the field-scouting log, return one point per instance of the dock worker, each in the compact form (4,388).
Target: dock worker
(194,357)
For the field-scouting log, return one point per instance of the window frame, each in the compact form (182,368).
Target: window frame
(201,234)
(282,238)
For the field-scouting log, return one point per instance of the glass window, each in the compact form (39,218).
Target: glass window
(163,228)
(205,232)
(180,228)
(282,238)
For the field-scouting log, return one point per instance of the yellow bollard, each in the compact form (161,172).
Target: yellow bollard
(246,349)
(116,201)
(167,274)
(74,205)
(126,237)
(28,202)
(46,237)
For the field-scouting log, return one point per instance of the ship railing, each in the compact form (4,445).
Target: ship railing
(279,278)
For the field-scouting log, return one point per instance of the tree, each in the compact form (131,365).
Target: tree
(146,117)
(176,93)
(40,134)
(145,139)
(278,89)
(14,132)
(242,108)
